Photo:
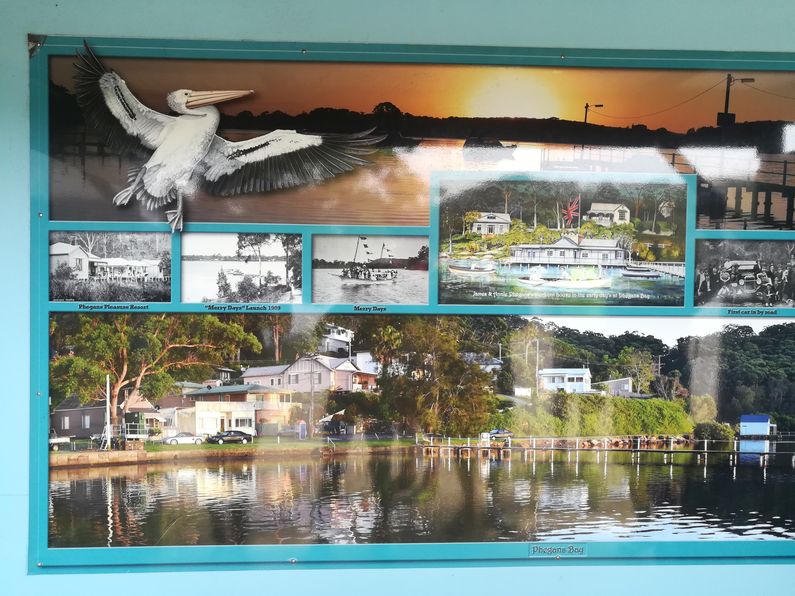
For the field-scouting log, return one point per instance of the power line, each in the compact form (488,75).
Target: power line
(766,92)
(681,103)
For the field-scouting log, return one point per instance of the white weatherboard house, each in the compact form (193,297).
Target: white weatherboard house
(318,374)
(336,339)
(73,256)
(570,380)
(756,425)
(608,214)
(491,223)
(569,250)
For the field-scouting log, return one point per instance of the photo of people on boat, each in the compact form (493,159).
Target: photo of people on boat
(264,268)
(545,241)
(369,269)
(745,272)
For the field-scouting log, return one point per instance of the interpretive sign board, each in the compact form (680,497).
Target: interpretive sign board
(335,304)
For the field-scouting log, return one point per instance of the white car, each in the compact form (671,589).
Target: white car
(183,439)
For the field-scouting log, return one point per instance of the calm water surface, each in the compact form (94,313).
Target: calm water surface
(200,278)
(401,499)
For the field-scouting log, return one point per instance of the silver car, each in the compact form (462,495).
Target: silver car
(183,439)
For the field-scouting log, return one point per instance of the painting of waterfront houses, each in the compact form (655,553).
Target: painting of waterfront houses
(570,242)
(110,267)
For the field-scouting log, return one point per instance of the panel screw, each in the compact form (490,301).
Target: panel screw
(304,50)
(39,564)
(38,393)
(562,57)
(292,561)
(41,214)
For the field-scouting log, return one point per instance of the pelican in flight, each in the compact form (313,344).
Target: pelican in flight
(184,153)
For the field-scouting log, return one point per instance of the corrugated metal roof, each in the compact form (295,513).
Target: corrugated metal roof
(755,418)
(489,216)
(259,371)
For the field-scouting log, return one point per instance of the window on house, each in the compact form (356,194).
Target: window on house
(570,379)
(604,256)
(491,229)
(273,382)
(549,253)
(563,253)
(578,379)
(86,420)
(584,254)
(279,381)
(318,378)
(243,422)
(65,423)
(622,216)
(292,379)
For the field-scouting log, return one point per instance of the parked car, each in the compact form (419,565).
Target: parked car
(500,433)
(230,436)
(183,439)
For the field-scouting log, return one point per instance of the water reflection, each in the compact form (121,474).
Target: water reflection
(395,499)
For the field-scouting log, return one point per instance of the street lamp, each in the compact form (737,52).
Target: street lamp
(585,120)
(588,107)
(727,117)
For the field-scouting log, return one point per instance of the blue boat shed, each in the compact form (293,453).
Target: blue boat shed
(756,425)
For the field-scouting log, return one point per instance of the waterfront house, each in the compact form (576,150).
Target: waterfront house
(756,425)
(489,224)
(570,380)
(240,407)
(608,214)
(569,250)
(70,418)
(70,255)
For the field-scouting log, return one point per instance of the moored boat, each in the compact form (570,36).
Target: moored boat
(472,268)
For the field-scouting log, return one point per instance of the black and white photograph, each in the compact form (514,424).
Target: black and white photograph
(745,272)
(263,268)
(370,269)
(110,267)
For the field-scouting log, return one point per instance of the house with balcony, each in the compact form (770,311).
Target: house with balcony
(608,214)
(239,407)
(491,224)
(569,250)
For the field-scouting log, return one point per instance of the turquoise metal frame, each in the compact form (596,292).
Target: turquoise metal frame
(43,559)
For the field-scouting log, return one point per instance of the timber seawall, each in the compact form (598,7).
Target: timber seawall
(80,459)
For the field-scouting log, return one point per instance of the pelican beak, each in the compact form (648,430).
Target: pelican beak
(207,98)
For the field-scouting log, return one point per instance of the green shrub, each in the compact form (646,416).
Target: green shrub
(714,431)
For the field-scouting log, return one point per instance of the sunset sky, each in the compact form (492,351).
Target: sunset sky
(648,97)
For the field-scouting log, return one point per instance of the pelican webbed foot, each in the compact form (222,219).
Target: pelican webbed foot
(174,216)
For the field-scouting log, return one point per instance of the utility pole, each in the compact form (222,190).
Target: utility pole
(585,119)
(725,117)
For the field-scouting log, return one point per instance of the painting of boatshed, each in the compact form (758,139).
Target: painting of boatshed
(570,250)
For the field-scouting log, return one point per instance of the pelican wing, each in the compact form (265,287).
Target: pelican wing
(111,108)
(283,159)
